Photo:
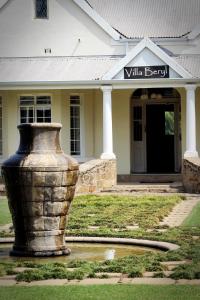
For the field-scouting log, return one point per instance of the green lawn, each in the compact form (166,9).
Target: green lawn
(5,216)
(193,220)
(103,292)
(119,211)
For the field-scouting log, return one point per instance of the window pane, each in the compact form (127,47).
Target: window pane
(41,9)
(75,124)
(43,114)
(137,112)
(43,100)
(75,100)
(26,100)
(137,131)
(75,111)
(169,123)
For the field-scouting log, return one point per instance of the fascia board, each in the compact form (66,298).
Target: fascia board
(94,84)
(124,61)
(98,19)
(146,43)
(167,59)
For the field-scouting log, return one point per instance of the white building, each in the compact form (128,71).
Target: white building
(122,76)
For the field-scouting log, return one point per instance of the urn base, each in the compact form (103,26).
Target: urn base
(44,253)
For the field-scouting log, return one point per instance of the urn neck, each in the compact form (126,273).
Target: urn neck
(39,137)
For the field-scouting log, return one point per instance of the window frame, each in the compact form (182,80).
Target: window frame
(35,106)
(80,156)
(35,10)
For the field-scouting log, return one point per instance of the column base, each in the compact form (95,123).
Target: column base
(189,153)
(108,156)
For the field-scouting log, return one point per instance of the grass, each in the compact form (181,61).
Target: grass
(102,292)
(119,211)
(193,220)
(5,216)
(111,215)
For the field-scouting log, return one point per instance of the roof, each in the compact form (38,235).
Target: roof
(72,68)
(150,18)
(55,68)
(190,63)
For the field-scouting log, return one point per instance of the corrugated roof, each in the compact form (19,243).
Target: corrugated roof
(190,63)
(54,68)
(149,18)
(72,68)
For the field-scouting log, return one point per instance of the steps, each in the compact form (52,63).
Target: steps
(149,178)
(175,187)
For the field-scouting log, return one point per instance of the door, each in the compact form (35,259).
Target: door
(138,139)
(160,138)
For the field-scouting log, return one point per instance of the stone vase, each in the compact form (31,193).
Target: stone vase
(40,183)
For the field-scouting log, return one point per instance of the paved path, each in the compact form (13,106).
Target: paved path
(180,212)
(91,281)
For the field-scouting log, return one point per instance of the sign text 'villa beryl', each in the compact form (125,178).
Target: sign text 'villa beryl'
(146,72)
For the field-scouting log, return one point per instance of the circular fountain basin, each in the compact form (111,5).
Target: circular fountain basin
(93,249)
(82,251)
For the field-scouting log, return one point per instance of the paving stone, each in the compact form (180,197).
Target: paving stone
(180,212)
(152,281)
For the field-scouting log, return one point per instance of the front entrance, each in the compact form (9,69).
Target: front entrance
(160,138)
(156,133)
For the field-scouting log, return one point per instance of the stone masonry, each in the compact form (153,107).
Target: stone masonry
(191,175)
(96,175)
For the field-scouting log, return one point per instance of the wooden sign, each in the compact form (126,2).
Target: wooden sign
(146,72)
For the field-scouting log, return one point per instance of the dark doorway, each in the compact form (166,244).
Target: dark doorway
(160,138)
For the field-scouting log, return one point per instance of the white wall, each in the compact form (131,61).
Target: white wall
(68,31)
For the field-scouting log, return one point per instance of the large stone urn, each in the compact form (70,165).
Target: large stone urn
(40,183)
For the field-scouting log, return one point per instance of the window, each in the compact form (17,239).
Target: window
(75,139)
(169,122)
(137,119)
(1,131)
(35,109)
(41,9)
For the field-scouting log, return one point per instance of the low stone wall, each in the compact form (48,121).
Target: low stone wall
(96,175)
(191,175)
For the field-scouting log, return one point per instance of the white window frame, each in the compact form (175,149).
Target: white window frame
(35,106)
(35,14)
(80,157)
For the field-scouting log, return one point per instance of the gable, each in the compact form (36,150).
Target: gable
(147,53)
(146,58)
(68,31)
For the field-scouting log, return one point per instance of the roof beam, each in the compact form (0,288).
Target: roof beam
(98,19)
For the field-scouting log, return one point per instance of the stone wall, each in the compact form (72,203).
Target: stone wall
(191,175)
(96,175)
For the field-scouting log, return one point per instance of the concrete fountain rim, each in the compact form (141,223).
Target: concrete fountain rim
(110,240)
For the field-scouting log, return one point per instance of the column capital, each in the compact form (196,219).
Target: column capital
(190,87)
(106,88)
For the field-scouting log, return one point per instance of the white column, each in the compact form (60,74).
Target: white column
(107,123)
(191,150)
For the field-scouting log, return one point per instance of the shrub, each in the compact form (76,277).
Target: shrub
(186,272)
(136,272)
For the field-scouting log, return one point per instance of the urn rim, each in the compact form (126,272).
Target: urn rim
(40,125)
